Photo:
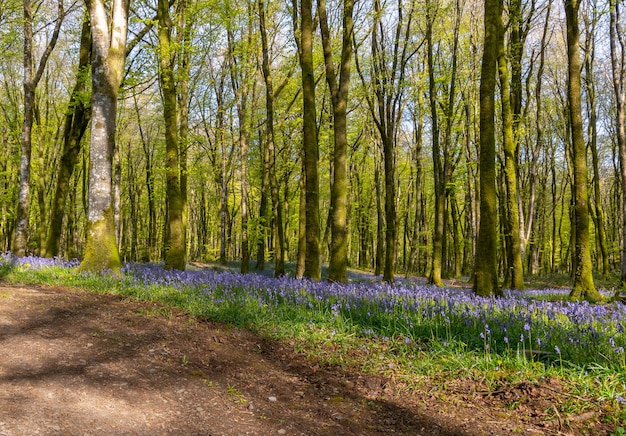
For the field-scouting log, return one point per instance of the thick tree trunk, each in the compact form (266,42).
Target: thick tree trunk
(175,257)
(337,270)
(438,171)
(485,266)
(310,145)
(184,42)
(583,287)
(109,53)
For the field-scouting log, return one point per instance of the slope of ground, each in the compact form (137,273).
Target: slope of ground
(76,363)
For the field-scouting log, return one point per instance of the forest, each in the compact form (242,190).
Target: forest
(440,138)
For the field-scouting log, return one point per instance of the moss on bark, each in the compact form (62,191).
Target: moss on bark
(101,248)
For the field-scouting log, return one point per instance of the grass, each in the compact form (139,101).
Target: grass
(422,336)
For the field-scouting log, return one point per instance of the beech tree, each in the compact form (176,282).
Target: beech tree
(109,33)
(485,262)
(176,256)
(338,262)
(310,146)
(583,287)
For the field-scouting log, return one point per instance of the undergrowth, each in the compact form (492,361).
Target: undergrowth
(377,337)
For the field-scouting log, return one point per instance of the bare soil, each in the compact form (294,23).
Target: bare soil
(77,363)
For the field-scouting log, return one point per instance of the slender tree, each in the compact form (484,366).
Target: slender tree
(76,122)
(31,80)
(509,145)
(109,30)
(390,54)
(240,81)
(618,44)
(277,210)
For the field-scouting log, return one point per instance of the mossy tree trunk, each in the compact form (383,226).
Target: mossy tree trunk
(109,30)
(337,269)
(513,246)
(185,13)
(312,268)
(435,276)
(76,121)
(485,263)
(583,287)
(175,257)
(442,150)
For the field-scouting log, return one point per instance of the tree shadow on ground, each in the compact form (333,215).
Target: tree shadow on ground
(81,360)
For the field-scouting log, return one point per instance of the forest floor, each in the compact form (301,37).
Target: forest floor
(78,363)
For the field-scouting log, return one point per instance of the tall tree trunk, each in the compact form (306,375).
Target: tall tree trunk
(109,55)
(485,264)
(240,84)
(184,42)
(438,171)
(337,270)
(277,211)
(310,145)
(592,138)
(31,80)
(617,69)
(175,257)
(583,287)
(76,121)
(514,253)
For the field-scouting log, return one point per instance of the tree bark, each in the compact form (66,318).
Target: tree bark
(277,211)
(485,264)
(592,138)
(583,287)
(30,85)
(310,145)
(337,270)
(175,256)
(76,121)
(515,271)
(617,69)
(109,55)
(438,171)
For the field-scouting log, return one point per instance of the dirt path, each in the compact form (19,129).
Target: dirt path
(75,363)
